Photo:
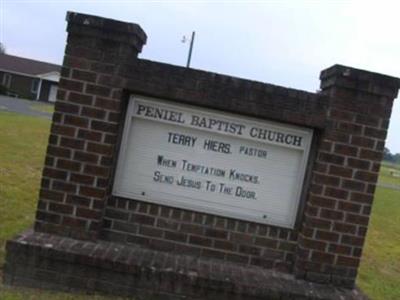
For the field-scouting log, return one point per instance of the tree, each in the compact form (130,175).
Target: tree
(391,157)
(2,49)
(387,155)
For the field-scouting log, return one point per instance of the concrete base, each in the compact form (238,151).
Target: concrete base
(53,262)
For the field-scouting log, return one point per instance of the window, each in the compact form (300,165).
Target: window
(35,86)
(6,80)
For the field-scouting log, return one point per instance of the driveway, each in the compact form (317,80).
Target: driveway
(26,107)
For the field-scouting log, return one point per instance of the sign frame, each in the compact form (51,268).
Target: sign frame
(116,191)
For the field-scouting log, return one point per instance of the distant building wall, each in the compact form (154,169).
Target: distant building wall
(21,86)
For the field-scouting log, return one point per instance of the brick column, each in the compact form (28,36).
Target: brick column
(82,143)
(344,174)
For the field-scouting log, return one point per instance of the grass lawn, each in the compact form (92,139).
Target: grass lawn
(23,143)
(379,274)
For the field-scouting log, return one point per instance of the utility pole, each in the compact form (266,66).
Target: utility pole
(190,49)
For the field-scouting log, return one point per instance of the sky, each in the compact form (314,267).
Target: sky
(285,43)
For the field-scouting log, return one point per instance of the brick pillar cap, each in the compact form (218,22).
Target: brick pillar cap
(106,29)
(364,81)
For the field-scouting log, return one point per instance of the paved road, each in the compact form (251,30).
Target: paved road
(23,106)
(389,186)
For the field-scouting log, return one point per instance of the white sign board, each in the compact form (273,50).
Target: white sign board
(210,161)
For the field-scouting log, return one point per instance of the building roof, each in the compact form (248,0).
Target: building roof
(15,64)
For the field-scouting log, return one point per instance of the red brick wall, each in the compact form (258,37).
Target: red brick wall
(345,174)
(350,117)
(181,231)
(82,143)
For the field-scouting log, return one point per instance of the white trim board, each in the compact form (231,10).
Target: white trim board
(38,76)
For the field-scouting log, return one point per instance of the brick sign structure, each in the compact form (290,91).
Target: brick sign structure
(291,220)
